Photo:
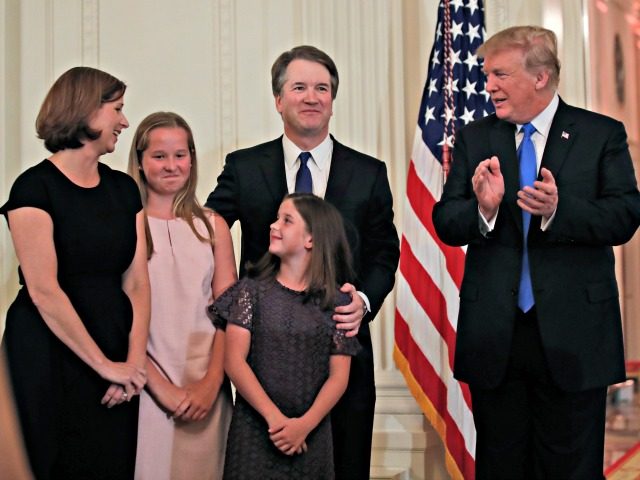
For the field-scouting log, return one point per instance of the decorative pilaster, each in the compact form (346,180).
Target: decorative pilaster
(9,142)
(90,33)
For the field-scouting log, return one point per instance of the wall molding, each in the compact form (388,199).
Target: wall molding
(90,33)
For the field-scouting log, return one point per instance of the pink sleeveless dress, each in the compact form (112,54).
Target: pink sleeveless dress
(180,338)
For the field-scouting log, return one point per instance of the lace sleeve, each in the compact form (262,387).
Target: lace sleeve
(343,345)
(235,305)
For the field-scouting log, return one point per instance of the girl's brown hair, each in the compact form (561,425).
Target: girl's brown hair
(331,264)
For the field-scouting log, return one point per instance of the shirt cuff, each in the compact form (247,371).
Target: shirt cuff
(546,224)
(485,225)
(365,299)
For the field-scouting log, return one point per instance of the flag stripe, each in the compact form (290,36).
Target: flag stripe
(434,403)
(431,273)
(431,300)
(431,258)
(432,348)
(419,196)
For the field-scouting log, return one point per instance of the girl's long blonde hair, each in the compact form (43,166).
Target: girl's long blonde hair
(185,203)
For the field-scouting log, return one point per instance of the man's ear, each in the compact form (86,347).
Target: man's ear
(542,79)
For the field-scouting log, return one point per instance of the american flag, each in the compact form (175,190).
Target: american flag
(430,271)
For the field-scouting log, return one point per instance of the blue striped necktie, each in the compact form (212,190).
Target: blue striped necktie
(528,175)
(304,183)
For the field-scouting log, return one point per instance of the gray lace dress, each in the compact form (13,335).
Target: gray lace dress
(291,342)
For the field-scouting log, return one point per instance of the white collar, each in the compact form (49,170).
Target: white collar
(321,153)
(542,122)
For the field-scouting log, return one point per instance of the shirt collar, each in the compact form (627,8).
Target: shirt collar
(542,122)
(321,154)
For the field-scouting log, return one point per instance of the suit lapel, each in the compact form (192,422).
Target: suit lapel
(339,174)
(503,143)
(561,137)
(271,167)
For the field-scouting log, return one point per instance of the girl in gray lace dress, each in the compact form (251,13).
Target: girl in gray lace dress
(288,361)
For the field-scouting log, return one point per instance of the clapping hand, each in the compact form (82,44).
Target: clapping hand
(542,198)
(488,185)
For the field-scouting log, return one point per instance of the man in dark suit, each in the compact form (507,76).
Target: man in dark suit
(251,187)
(539,333)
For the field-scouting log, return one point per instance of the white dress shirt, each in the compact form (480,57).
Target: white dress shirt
(319,164)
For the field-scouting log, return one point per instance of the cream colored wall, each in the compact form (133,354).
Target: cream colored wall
(9,132)
(604,24)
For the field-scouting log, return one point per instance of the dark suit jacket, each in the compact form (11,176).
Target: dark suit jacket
(572,263)
(253,184)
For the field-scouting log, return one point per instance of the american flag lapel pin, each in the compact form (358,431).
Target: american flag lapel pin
(565,135)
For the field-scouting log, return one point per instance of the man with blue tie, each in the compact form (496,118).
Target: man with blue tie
(540,192)
(308,159)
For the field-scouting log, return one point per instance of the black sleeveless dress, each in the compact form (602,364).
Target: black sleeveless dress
(68,433)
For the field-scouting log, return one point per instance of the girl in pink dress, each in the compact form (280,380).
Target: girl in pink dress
(185,409)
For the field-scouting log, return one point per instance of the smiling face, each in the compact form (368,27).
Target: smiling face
(166,162)
(517,94)
(289,235)
(305,102)
(109,120)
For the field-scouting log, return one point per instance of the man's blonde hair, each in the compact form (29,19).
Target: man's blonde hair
(539,45)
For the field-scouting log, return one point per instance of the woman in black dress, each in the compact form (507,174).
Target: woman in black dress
(76,333)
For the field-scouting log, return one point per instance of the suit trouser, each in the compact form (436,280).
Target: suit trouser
(528,428)
(352,417)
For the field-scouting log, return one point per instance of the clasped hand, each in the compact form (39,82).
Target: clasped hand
(189,403)
(289,434)
(198,398)
(128,380)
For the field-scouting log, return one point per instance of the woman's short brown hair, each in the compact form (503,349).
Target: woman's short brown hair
(63,121)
